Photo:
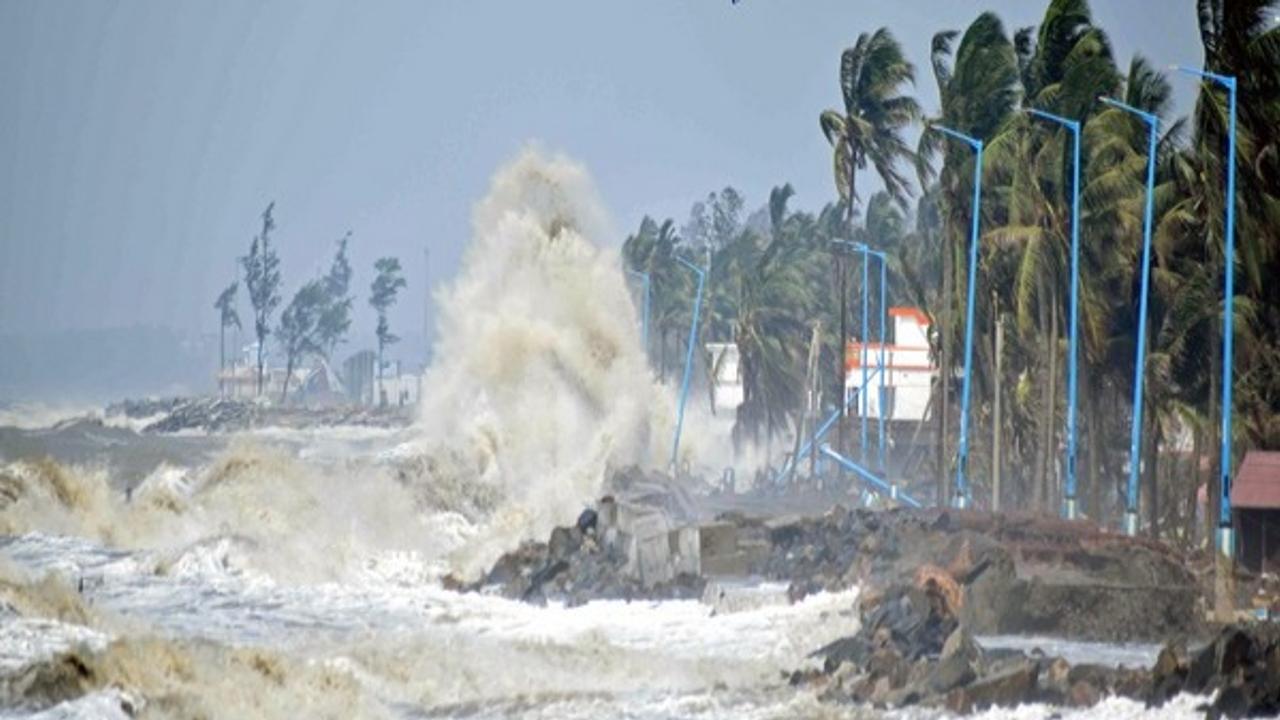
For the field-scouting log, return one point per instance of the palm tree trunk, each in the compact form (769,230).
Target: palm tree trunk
(1153,477)
(944,367)
(1193,482)
(1212,490)
(1050,399)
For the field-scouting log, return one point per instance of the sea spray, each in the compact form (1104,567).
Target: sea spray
(540,382)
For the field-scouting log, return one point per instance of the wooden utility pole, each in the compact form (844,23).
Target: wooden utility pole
(809,402)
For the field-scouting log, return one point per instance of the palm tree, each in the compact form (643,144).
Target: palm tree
(978,95)
(774,305)
(652,250)
(868,131)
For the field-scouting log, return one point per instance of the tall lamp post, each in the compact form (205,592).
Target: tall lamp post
(1073,349)
(962,462)
(1139,363)
(688,360)
(863,397)
(866,251)
(884,313)
(644,317)
(1226,539)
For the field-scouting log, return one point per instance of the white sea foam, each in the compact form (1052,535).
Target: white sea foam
(540,383)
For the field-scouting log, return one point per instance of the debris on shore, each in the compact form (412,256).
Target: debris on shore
(932,581)
(912,649)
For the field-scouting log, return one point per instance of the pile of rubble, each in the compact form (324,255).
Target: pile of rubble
(209,415)
(912,650)
(607,554)
(1015,575)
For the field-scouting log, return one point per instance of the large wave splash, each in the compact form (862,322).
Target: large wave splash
(540,382)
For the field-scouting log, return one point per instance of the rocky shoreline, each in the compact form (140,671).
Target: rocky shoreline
(223,415)
(913,650)
(932,581)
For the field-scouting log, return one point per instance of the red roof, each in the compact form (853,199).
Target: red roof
(1257,482)
(910,312)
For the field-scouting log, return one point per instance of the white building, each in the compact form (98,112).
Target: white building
(726,388)
(909,370)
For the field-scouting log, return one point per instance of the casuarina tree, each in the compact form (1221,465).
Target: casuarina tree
(299,330)
(382,296)
(335,317)
(262,278)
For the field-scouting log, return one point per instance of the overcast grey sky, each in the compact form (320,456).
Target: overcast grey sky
(139,140)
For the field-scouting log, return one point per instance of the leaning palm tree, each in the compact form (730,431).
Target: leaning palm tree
(868,131)
(652,250)
(978,95)
(870,128)
(775,302)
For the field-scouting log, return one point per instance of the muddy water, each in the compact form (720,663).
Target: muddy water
(265,584)
(300,570)
(296,573)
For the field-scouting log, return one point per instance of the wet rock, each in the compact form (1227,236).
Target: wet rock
(958,663)
(576,565)
(564,542)
(1055,680)
(587,521)
(886,663)
(1082,695)
(951,673)
(853,650)
(1169,674)
(1006,689)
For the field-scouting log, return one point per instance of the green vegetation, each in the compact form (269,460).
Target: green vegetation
(317,318)
(775,276)
(262,278)
(382,295)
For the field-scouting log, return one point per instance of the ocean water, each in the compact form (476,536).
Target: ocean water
(285,573)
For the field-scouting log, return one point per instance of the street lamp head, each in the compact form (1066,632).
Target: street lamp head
(973,142)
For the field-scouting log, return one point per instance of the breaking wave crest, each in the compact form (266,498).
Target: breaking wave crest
(255,511)
(540,383)
(539,388)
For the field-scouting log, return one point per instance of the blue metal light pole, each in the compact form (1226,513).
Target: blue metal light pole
(962,461)
(1073,349)
(688,360)
(877,484)
(644,321)
(1139,363)
(884,309)
(881,360)
(1226,539)
(864,398)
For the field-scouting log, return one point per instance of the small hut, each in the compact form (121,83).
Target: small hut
(1255,504)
